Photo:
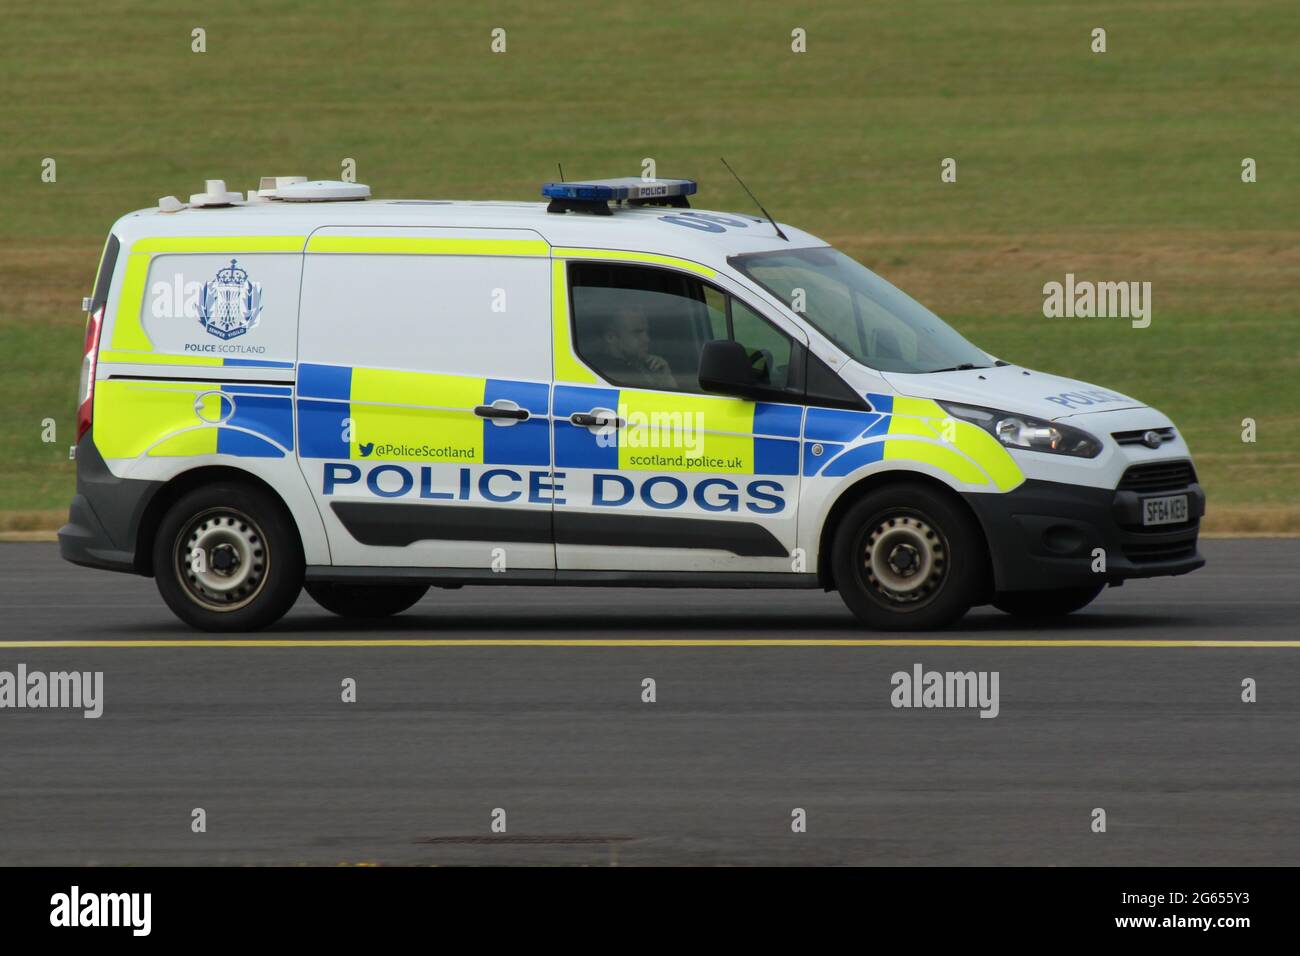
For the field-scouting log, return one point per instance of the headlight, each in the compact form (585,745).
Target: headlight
(1033,434)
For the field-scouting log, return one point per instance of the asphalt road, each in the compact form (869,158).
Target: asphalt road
(739,736)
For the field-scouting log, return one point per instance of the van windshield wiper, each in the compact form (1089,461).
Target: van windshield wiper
(964,366)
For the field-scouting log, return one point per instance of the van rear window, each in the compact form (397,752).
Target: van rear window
(107,263)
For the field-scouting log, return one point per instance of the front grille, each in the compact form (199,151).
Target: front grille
(1145,553)
(1137,436)
(1158,476)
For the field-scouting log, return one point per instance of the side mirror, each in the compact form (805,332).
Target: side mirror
(725,368)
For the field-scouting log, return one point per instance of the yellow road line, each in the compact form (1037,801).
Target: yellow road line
(670,642)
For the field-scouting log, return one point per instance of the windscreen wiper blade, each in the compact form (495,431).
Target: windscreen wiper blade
(964,366)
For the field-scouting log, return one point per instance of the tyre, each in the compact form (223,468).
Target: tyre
(1042,604)
(366,600)
(227,557)
(908,557)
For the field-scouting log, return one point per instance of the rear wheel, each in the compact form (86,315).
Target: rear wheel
(907,557)
(366,600)
(1041,604)
(227,558)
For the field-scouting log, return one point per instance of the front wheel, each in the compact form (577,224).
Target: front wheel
(1056,602)
(366,600)
(227,558)
(908,557)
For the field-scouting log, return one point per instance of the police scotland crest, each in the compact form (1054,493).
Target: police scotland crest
(230,304)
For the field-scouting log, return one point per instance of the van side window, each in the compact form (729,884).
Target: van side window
(645,328)
(769,349)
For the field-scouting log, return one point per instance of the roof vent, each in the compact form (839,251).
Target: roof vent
(215,194)
(322,190)
(269,187)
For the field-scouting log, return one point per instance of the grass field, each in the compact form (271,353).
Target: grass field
(1116,166)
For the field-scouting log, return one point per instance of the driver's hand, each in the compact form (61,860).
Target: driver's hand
(656,363)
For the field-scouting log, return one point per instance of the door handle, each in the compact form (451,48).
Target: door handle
(596,419)
(496,411)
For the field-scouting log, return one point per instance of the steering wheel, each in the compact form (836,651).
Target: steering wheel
(762,362)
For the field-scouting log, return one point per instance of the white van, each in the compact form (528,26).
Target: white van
(369,397)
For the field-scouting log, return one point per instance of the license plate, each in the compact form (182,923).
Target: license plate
(1170,509)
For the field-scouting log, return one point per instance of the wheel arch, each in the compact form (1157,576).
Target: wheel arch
(855,492)
(182,484)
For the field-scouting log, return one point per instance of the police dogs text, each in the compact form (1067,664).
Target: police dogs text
(504,485)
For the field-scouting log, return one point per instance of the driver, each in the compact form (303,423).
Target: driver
(626,344)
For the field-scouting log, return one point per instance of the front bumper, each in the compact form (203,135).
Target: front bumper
(105,515)
(1044,535)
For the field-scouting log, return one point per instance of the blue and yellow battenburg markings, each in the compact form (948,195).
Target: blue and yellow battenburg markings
(161,419)
(675,432)
(905,429)
(418,416)
(181,419)
(394,415)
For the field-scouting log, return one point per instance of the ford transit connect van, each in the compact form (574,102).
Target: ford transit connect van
(311,387)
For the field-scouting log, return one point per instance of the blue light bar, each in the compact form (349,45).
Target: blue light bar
(627,188)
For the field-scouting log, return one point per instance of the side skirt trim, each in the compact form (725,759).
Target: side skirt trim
(396,525)
(541,577)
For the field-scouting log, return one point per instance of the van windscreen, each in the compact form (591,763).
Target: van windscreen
(876,323)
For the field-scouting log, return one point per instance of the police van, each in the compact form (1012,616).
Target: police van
(312,388)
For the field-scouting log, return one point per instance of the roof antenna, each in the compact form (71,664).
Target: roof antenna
(560,167)
(756,202)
